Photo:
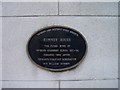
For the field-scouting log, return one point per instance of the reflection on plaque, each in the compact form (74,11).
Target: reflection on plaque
(57,48)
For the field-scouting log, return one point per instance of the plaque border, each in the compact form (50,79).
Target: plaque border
(56,70)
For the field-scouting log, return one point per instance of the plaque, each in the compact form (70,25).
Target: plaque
(57,48)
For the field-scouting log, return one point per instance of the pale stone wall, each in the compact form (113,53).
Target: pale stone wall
(98,22)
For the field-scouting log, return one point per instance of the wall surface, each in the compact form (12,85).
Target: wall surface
(98,22)
(1,45)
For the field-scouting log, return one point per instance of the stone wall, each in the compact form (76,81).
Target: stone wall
(98,22)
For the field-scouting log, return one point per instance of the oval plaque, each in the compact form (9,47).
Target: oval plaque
(57,48)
